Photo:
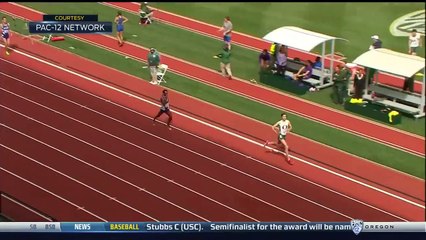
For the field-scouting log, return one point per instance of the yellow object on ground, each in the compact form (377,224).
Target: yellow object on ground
(356,100)
(391,114)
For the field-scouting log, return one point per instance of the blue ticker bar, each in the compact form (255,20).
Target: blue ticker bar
(171,227)
(212,230)
(210,227)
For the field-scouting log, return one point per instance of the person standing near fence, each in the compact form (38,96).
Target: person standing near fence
(153,63)
(225,62)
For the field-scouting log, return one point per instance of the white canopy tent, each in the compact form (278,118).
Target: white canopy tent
(395,63)
(305,40)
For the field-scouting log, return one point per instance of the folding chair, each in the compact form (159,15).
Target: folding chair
(161,71)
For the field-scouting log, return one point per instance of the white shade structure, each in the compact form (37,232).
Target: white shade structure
(298,38)
(305,40)
(391,62)
(396,63)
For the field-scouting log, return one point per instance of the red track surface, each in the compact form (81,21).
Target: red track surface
(359,126)
(22,212)
(242,39)
(109,160)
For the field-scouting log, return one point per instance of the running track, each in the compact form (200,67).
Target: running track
(241,39)
(78,148)
(347,122)
(361,127)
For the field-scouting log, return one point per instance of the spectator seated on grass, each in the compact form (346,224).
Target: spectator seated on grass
(304,72)
(264,59)
(317,64)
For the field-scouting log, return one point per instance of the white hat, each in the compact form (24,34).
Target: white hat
(145,2)
(375,37)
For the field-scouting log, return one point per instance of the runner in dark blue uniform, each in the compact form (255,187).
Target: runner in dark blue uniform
(165,108)
(5,33)
(120,20)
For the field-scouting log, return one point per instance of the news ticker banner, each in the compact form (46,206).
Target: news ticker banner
(356,226)
(76,24)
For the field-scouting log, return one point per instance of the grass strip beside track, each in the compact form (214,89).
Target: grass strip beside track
(200,49)
(347,142)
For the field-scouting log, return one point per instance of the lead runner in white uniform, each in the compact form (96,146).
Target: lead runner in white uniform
(282,127)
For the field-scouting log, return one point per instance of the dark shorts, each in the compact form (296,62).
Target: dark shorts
(413,49)
(120,28)
(227,38)
(281,137)
(5,35)
(165,110)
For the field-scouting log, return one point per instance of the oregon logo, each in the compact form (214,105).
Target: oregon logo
(403,25)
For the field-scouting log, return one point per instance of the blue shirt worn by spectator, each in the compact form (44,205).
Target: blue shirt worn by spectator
(317,65)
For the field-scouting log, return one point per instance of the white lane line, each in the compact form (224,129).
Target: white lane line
(103,171)
(127,161)
(75,180)
(218,128)
(51,193)
(182,147)
(26,207)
